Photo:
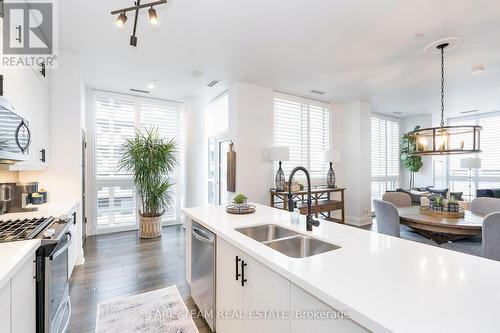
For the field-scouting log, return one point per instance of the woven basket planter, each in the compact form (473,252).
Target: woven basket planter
(149,227)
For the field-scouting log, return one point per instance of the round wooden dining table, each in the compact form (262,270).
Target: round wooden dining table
(441,229)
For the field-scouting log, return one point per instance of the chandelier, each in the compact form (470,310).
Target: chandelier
(445,140)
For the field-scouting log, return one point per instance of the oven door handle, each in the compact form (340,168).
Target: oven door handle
(57,253)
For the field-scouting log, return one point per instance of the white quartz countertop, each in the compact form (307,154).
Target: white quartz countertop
(14,254)
(387,284)
(54,209)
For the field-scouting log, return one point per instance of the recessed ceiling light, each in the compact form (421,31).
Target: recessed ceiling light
(477,69)
(317,92)
(196,73)
(139,91)
(152,84)
(212,83)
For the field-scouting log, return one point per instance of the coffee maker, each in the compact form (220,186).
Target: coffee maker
(5,197)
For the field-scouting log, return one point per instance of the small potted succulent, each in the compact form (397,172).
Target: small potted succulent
(438,203)
(453,205)
(240,199)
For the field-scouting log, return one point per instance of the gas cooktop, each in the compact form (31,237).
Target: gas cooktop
(14,230)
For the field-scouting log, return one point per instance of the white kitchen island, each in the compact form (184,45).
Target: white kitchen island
(385,284)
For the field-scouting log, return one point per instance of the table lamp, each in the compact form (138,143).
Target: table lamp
(470,163)
(280,153)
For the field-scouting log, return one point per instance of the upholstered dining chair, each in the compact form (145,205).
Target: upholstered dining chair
(398,199)
(490,245)
(387,217)
(485,206)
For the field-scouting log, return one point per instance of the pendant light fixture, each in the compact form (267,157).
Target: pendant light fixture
(122,17)
(445,140)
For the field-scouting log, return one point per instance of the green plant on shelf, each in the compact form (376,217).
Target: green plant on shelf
(240,199)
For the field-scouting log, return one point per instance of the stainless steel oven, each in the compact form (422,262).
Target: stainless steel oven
(54,306)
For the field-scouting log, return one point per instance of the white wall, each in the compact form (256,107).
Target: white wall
(63,179)
(195,166)
(251,127)
(425,176)
(351,128)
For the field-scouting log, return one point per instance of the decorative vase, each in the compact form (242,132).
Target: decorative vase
(330,177)
(149,227)
(280,179)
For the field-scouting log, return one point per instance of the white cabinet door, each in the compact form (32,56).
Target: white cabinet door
(5,307)
(72,250)
(30,95)
(24,299)
(251,306)
(266,298)
(229,292)
(303,307)
(187,232)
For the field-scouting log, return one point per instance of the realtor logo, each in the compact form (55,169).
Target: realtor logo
(28,33)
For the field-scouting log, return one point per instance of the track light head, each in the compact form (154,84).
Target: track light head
(153,17)
(120,21)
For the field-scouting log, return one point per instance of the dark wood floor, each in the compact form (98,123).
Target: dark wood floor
(122,264)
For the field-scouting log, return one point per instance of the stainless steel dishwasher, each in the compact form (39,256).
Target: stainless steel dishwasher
(203,272)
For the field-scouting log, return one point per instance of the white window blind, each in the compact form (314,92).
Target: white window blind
(304,127)
(384,155)
(489,174)
(116,117)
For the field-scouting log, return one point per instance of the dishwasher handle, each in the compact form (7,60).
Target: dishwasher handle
(198,234)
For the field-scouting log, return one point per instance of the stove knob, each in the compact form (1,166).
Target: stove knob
(49,233)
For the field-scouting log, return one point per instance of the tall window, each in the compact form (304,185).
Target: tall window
(303,126)
(489,174)
(116,117)
(385,155)
(216,128)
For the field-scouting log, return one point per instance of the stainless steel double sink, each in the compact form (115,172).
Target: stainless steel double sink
(287,241)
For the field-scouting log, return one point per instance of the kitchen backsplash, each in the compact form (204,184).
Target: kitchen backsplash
(7,176)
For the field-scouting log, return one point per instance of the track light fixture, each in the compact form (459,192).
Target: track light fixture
(153,18)
(120,21)
(122,17)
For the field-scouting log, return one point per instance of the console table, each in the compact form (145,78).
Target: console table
(323,202)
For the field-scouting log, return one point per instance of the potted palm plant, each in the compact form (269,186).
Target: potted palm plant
(150,159)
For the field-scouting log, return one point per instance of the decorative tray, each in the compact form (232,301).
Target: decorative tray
(442,213)
(240,209)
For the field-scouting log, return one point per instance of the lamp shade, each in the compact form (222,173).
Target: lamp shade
(280,153)
(331,155)
(470,163)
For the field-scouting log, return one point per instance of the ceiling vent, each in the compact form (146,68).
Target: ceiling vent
(139,91)
(469,111)
(317,92)
(212,83)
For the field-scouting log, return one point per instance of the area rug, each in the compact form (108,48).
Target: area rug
(160,310)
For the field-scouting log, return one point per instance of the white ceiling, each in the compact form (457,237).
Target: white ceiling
(352,50)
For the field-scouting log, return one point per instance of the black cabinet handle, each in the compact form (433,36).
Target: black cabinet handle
(243,279)
(19,38)
(237,262)
(42,159)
